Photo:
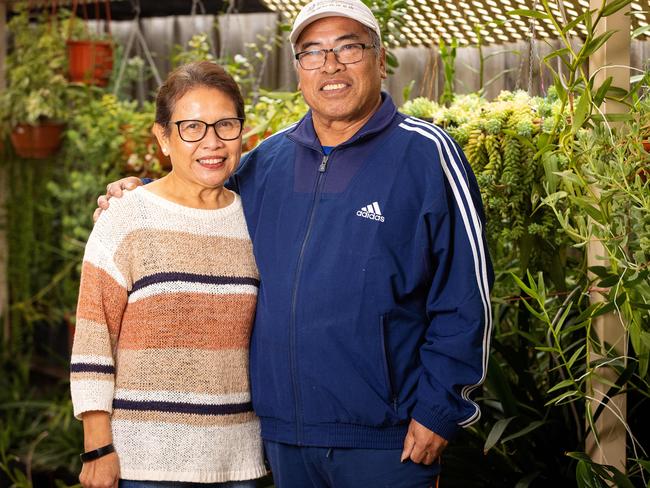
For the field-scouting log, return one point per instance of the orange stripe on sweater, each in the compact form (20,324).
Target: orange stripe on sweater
(101,298)
(188,320)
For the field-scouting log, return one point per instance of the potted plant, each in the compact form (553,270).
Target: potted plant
(34,104)
(90,59)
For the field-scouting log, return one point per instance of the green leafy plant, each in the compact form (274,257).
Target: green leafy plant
(198,49)
(483,84)
(448,57)
(391,16)
(271,112)
(37,88)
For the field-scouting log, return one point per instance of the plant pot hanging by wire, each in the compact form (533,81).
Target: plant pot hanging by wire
(37,141)
(90,61)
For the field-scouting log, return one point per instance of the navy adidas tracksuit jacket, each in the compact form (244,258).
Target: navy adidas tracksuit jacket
(373,306)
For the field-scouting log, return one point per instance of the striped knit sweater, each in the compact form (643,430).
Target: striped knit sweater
(166,305)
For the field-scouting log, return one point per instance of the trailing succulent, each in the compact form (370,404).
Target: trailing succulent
(499,140)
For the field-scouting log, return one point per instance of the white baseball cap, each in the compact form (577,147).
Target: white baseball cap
(319,9)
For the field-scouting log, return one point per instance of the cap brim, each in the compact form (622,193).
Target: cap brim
(297,30)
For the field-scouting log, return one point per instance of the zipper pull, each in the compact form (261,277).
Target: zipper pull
(323,164)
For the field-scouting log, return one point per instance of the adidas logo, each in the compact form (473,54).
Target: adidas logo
(371,212)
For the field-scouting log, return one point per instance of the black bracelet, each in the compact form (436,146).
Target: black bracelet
(96,453)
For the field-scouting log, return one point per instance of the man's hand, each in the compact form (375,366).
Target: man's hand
(115,190)
(101,473)
(422,445)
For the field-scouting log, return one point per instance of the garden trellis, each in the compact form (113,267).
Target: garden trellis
(429,22)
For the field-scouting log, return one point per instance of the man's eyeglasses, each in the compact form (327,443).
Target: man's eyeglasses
(194,130)
(345,54)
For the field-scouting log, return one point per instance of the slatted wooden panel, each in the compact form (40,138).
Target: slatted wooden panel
(429,21)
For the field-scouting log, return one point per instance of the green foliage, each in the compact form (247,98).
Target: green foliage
(198,49)
(391,16)
(483,58)
(248,68)
(36,84)
(32,228)
(38,434)
(420,107)
(604,195)
(541,214)
(448,57)
(272,112)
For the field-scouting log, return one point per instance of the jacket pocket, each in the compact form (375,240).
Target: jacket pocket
(388,370)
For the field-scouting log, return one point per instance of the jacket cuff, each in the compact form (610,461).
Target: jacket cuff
(436,421)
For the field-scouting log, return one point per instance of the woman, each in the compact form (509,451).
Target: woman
(159,370)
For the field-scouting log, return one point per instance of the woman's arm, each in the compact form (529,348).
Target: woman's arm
(103,472)
(102,300)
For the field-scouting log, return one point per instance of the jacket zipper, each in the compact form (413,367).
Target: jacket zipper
(292,331)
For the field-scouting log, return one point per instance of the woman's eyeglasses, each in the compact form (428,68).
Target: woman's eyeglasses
(194,130)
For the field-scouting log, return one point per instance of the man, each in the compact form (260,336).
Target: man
(373,318)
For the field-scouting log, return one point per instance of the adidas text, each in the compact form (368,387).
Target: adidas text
(366,215)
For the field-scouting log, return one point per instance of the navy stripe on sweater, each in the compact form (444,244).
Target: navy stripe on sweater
(91,368)
(193,278)
(177,407)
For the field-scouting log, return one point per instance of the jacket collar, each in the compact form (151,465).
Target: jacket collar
(304,133)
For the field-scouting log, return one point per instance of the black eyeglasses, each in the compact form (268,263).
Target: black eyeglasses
(194,130)
(345,54)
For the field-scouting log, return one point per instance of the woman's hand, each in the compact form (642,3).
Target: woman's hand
(101,473)
(114,189)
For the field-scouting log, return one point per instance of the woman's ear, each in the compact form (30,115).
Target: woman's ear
(163,141)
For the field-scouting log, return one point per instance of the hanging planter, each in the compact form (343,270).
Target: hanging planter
(90,61)
(37,141)
(37,94)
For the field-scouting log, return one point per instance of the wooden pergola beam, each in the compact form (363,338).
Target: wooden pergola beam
(611,60)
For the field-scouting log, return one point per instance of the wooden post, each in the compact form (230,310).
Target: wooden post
(609,328)
(4,188)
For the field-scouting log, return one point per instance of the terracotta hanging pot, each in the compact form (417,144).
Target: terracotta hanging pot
(90,62)
(37,141)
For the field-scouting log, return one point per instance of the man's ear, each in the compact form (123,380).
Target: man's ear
(163,141)
(296,69)
(382,63)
